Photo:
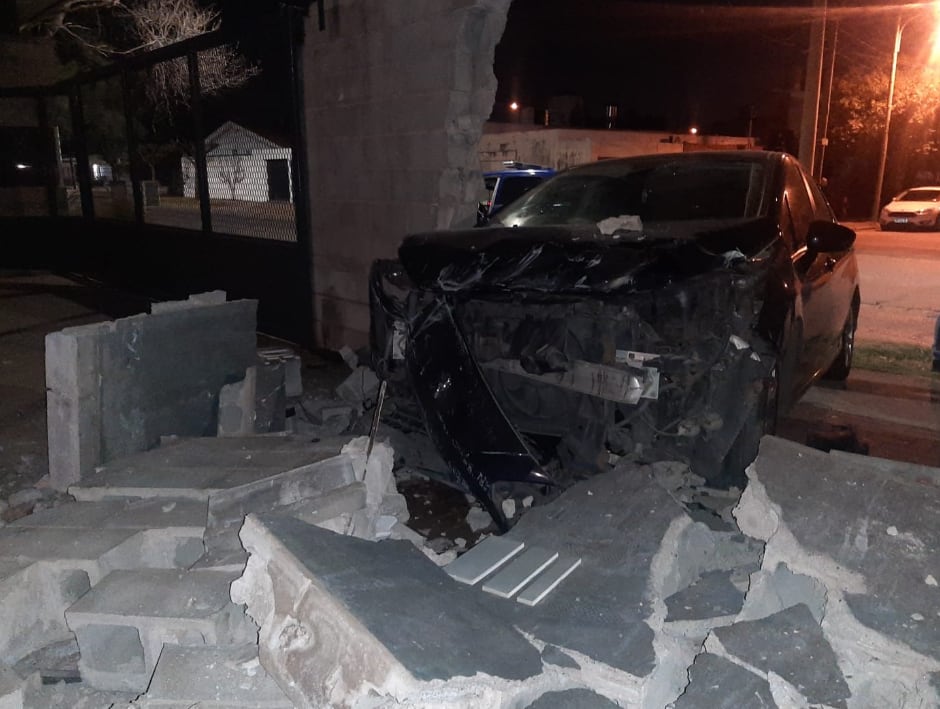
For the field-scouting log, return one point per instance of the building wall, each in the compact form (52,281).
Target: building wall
(242,177)
(561,148)
(396,97)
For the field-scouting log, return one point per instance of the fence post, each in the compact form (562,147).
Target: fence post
(47,155)
(132,148)
(80,148)
(199,147)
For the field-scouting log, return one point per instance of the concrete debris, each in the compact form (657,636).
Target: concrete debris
(359,387)
(26,497)
(479,519)
(237,406)
(289,362)
(509,508)
(114,388)
(824,518)
(349,357)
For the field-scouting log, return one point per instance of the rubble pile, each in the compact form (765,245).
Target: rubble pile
(278,563)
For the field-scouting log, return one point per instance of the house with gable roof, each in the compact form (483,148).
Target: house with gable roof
(242,165)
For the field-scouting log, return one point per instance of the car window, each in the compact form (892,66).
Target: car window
(920,196)
(821,208)
(514,187)
(659,191)
(798,207)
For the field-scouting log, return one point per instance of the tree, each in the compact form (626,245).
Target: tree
(860,100)
(231,170)
(111,28)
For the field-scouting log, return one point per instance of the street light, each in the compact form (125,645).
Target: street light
(876,207)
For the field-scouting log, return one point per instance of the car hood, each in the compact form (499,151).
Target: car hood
(911,206)
(577,260)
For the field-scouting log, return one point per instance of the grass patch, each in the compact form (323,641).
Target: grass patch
(895,359)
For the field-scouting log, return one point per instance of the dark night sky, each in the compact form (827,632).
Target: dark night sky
(671,65)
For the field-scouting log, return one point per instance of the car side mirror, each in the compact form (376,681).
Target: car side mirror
(825,236)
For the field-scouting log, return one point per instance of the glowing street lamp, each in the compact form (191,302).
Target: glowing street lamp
(876,207)
(693,130)
(514,106)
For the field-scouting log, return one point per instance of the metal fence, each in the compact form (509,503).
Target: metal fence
(166,138)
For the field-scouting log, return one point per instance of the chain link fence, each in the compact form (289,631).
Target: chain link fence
(199,136)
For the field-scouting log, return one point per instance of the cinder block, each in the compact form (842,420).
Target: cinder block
(124,621)
(212,678)
(237,406)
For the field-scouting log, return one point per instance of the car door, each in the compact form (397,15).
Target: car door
(812,272)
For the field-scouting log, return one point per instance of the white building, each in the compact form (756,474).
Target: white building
(242,165)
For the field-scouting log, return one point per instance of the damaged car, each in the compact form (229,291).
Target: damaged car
(665,307)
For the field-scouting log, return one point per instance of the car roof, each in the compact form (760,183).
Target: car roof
(701,156)
(517,168)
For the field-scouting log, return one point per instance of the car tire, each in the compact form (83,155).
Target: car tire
(842,365)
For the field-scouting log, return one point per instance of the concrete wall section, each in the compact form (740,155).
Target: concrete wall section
(561,148)
(396,97)
(115,388)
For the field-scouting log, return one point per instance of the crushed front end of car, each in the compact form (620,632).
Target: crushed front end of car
(539,356)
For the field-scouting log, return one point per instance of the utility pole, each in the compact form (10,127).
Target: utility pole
(809,125)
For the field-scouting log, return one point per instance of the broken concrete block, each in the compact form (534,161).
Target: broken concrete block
(290,365)
(358,387)
(196,300)
(791,645)
(271,394)
(229,677)
(375,470)
(342,618)
(718,683)
(12,689)
(711,596)
(115,388)
(478,519)
(237,406)
(349,357)
(192,468)
(122,623)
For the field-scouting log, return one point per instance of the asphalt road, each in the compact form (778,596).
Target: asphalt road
(900,285)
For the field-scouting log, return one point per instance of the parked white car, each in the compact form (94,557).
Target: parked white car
(916,208)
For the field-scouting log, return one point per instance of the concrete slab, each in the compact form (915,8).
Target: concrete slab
(123,622)
(718,683)
(520,571)
(12,689)
(791,645)
(483,559)
(864,534)
(341,617)
(228,677)
(157,513)
(548,580)
(712,596)
(192,468)
(893,545)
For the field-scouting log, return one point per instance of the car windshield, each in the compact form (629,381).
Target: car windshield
(920,196)
(652,190)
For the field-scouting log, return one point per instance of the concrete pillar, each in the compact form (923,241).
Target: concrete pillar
(396,97)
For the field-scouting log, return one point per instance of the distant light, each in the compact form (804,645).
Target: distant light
(514,106)
(21,166)
(693,130)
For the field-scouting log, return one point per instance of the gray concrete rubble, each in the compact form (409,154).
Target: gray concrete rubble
(230,566)
(114,388)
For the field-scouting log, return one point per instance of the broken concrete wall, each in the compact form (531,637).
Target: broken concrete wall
(396,97)
(114,388)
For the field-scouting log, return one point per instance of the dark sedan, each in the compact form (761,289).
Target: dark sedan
(650,308)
